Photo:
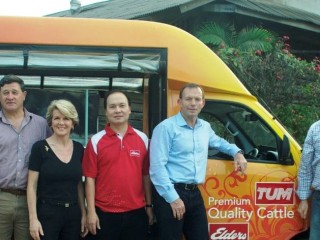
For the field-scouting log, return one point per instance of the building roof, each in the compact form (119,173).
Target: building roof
(263,9)
(279,13)
(122,9)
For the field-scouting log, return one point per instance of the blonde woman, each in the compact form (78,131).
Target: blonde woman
(55,191)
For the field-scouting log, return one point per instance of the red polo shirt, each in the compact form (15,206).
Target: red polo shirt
(118,166)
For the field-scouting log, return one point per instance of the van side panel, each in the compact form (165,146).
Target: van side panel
(261,204)
(258,205)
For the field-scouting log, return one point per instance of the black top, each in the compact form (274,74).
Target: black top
(57,180)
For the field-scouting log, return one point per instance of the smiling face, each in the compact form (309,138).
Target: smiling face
(117,109)
(12,97)
(191,103)
(61,125)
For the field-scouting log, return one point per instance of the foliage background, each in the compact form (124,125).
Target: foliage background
(288,85)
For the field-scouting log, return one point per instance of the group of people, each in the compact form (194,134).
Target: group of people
(42,194)
(128,181)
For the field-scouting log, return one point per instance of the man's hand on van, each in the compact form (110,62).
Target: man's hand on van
(303,208)
(178,208)
(240,163)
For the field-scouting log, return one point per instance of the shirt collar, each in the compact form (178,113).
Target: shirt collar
(182,122)
(110,131)
(27,116)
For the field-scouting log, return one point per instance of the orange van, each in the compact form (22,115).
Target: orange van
(81,59)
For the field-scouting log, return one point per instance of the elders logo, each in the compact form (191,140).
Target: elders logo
(269,193)
(229,231)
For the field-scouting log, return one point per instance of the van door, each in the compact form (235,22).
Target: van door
(260,204)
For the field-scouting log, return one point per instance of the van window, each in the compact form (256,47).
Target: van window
(89,104)
(84,74)
(240,125)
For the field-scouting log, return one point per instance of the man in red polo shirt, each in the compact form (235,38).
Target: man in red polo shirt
(116,167)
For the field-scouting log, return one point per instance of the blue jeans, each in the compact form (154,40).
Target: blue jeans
(315,216)
(194,224)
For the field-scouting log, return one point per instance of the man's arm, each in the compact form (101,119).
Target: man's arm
(35,226)
(148,198)
(240,163)
(159,154)
(92,218)
(305,172)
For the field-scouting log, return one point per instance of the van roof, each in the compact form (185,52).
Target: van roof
(189,60)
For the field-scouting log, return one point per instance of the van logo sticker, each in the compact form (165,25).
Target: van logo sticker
(226,231)
(270,193)
(134,153)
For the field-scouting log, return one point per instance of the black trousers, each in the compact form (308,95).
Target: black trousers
(194,225)
(59,223)
(131,225)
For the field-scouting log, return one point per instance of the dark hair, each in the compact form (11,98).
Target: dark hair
(112,92)
(191,85)
(10,78)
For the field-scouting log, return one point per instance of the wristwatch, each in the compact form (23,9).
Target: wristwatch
(241,152)
(149,205)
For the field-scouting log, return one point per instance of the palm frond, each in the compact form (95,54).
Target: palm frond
(255,39)
(215,34)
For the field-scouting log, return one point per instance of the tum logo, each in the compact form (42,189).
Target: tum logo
(268,193)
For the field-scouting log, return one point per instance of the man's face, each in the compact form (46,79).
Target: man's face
(117,109)
(191,102)
(12,97)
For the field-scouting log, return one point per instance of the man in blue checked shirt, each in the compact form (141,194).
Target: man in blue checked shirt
(178,161)
(309,179)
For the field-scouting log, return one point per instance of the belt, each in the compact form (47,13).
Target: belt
(17,192)
(58,203)
(186,186)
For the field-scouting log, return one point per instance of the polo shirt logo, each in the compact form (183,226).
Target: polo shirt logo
(134,153)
